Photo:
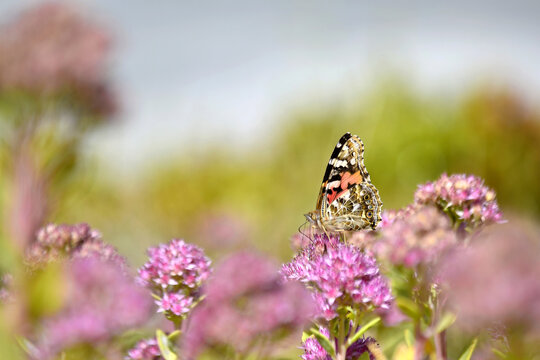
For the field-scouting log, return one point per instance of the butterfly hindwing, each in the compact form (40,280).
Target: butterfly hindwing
(347,199)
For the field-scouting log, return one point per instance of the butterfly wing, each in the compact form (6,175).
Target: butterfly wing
(357,208)
(347,199)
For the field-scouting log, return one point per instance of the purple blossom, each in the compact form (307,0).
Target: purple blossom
(174,273)
(246,302)
(464,197)
(313,350)
(52,50)
(54,242)
(340,276)
(102,301)
(495,280)
(415,237)
(145,350)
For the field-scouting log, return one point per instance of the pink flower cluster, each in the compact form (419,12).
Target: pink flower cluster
(102,301)
(54,242)
(51,49)
(246,302)
(340,276)
(415,237)
(146,349)
(174,273)
(464,196)
(495,280)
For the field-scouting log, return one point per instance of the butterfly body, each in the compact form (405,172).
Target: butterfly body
(347,201)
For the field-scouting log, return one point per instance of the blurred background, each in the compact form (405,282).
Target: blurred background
(214,121)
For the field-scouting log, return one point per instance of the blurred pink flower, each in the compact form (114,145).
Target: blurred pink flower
(145,350)
(51,49)
(464,197)
(102,302)
(495,280)
(246,302)
(70,241)
(415,237)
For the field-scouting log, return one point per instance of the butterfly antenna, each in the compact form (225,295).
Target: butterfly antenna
(300,230)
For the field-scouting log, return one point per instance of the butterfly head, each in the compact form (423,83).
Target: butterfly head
(313,217)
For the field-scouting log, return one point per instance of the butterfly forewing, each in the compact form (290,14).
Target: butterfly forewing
(347,199)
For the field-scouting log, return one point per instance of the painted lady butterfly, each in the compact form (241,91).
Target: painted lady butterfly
(348,201)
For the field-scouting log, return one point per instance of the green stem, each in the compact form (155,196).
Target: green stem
(341,350)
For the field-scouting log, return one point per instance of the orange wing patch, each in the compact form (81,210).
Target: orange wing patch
(346,180)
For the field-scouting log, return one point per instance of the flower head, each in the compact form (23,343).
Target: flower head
(413,238)
(495,280)
(54,242)
(145,350)
(52,50)
(465,197)
(246,301)
(175,272)
(340,276)
(102,301)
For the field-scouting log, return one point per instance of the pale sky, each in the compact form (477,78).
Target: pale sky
(203,71)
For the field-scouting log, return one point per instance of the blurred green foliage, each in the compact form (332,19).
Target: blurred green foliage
(409,139)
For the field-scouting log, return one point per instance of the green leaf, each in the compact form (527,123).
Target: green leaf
(408,307)
(46,290)
(447,320)
(364,356)
(164,346)
(499,353)
(409,338)
(468,353)
(175,334)
(324,341)
(362,330)
(305,336)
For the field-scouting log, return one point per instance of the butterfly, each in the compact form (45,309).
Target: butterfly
(347,201)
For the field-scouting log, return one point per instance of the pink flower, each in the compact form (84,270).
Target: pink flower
(52,50)
(102,302)
(415,237)
(495,280)
(54,242)
(340,276)
(175,273)
(177,304)
(464,197)
(145,350)
(246,301)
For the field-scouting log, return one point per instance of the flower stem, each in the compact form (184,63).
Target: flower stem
(341,350)
(440,345)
